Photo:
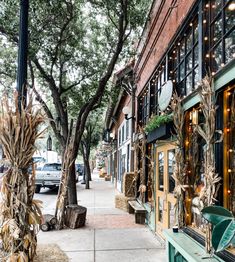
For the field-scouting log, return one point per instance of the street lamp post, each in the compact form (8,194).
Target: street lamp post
(23,53)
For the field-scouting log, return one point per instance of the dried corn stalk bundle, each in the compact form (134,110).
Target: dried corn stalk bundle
(179,169)
(20,214)
(207,131)
(63,190)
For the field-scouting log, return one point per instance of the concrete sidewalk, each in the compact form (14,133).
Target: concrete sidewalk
(109,235)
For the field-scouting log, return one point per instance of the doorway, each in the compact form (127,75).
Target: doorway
(165,184)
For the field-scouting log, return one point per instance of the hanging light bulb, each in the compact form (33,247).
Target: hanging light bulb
(231,6)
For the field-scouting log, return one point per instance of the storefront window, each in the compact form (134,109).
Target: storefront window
(171,165)
(219,33)
(194,153)
(157,82)
(229,152)
(184,60)
(161,170)
(143,106)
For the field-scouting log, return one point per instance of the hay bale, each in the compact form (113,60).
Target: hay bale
(107,178)
(121,202)
(129,184)
(50,253)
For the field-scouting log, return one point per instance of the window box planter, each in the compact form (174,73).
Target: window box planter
(161,132)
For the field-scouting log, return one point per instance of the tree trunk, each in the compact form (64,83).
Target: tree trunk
(88,173)
(72,191)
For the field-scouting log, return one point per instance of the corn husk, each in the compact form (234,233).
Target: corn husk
(20,215)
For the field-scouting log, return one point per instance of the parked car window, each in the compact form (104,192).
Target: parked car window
(52,167)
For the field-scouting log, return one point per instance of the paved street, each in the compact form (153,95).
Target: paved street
(109,234)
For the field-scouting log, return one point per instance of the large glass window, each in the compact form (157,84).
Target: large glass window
(158,80)
(229,155)
(219,33)
(184,60)
(161,171)
(144,107)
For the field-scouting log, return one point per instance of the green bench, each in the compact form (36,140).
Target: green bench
(182,248)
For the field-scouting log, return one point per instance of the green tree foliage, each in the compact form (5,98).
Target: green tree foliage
(74,47)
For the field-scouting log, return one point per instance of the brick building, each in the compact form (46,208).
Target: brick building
(182,42)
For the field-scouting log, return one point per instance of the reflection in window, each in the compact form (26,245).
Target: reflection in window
(143,105)
(161,171)
(171,215)
(184,60)
(229,187)
(230,46)
(217,55)
(230,18)
(171,165)
(219,30)
(160,210)
(157,82)
(215,8)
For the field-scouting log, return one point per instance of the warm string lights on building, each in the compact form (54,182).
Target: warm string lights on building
(230,151)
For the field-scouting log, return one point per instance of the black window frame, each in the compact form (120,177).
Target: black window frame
(212,45)
(178,61)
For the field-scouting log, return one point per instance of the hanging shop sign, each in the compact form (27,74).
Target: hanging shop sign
(165,95)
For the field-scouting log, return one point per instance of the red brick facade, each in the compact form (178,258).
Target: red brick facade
(165,19)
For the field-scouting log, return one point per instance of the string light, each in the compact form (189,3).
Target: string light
(228,129)
(230,150)
(229,170)
(222,64)
(204,21)
(231,7)
(207,5)
(207,55)
(229,191)
(228,109)
(191,24)
(205,38)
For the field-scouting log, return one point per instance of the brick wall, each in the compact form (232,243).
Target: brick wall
(163,24)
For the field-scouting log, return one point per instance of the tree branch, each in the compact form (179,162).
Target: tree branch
(55,95)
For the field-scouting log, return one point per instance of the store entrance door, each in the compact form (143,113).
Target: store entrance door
(165,200)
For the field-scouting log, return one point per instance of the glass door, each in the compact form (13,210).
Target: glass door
(165,200)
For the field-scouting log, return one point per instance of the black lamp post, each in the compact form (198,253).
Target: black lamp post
(23,52)
(49,143)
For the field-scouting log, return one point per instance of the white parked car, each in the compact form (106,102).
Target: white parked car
(48,176)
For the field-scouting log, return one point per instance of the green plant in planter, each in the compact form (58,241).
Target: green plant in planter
(157,121)
(223,233)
